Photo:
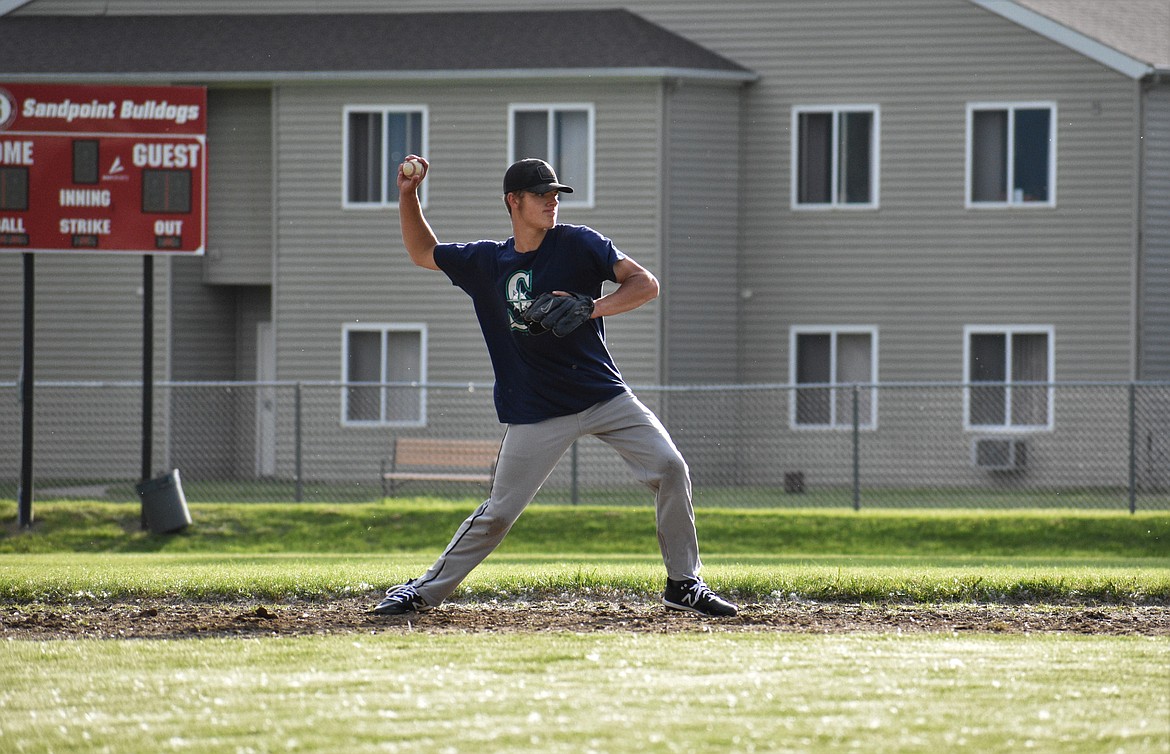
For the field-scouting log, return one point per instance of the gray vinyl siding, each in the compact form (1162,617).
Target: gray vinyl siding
(202,347)
(336,266)
(1154,282)
(700,289)
(11,308)
(203,326)
(1154,318)
(921,266)
(88,315)
(940,264)
(88,329)
(213,339)
(239,142)
(701,220)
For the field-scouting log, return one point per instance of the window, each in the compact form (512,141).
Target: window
(835,157)
(383,368)
(562,135)
(1011,155)
(825,363)
(1008,371)
(377,140)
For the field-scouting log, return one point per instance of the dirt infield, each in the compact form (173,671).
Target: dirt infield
(178,619)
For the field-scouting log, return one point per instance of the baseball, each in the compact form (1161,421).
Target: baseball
(412,167)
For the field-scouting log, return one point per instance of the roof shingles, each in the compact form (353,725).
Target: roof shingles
(1138,28)
(258,46)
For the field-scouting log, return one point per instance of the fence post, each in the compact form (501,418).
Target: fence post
(856,450)
(300,479)
(1132,447)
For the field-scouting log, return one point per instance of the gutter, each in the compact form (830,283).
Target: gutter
(256,77)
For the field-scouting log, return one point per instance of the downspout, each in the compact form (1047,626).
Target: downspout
(1139,255)
(664,200)
(742,292)
(274,220)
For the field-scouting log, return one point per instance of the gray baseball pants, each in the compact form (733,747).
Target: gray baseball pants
(527,457)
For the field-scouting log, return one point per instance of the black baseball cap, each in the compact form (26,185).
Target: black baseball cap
(533,175)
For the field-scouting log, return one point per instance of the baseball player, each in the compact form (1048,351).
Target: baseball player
(538,299)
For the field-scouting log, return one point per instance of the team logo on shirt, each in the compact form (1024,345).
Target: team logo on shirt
(518,293)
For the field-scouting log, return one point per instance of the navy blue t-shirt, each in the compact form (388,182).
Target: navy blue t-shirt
(539,376)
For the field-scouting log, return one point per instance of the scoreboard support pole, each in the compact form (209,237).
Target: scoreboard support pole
(25,514)
(147,371)
(28,381)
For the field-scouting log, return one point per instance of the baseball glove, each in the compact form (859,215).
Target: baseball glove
(561,314)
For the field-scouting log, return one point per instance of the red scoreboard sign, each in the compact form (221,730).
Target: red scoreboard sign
(103,168)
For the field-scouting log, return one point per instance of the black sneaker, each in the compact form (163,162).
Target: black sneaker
(693,596)
(400,600)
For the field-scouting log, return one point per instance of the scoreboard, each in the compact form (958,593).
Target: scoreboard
(103,168)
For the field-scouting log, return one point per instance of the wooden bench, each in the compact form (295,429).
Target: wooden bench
(436,460)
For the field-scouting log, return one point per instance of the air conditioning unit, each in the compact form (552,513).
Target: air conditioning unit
(999,453)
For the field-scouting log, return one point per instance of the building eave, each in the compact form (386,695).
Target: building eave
(453,76)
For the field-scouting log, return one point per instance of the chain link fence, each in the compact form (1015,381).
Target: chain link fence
(1060,445)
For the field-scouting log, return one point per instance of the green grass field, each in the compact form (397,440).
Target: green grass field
(601,693)
(821,497)
(423,525)
(408,690)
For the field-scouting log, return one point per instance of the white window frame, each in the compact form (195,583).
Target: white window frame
(582,199)
(1009,331)
(384,329)
(875,161)
(836,423)
(389,176)
(1011,108)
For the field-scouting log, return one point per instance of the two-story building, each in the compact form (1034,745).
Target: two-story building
(831,192)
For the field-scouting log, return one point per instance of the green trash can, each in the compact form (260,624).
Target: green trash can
(164,508)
